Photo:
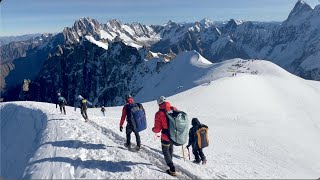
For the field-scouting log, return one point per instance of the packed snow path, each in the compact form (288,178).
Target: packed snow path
(71,148)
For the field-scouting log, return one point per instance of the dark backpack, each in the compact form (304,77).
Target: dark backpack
(137,116)
(202,136)
(178,123)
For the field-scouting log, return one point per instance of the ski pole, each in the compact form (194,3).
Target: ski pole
(184,158)
(188,153)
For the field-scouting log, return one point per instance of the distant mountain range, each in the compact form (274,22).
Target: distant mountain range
(103,61)
(8,39)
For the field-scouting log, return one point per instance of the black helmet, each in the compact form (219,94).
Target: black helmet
(128,96)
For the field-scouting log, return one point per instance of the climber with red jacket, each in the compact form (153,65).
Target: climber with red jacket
(161,124)
(126,114)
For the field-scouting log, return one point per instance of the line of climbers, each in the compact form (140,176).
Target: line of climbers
(173,125)
(82,103)
(171,122)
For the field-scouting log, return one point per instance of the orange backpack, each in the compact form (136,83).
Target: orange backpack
(202,136)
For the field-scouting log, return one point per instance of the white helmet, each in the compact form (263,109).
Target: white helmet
(161,100)
(59,94)
(80,97)
(102,106)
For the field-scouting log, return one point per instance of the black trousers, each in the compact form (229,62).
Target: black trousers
(197,153)
(167,150)
(62,107)
(84,114)
(129,130)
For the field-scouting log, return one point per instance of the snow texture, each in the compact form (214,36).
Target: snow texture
(263,123)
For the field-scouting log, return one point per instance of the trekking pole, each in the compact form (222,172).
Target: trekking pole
(188,153)
(184,158)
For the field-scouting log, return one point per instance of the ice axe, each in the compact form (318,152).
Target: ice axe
(188,153)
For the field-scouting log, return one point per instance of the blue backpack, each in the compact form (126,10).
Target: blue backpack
(138,117)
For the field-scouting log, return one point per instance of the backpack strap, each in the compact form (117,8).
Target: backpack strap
(129,114)
(166,131)
(202,125)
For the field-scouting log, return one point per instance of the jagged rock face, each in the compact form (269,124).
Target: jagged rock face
(16,50)
(4,71)
(81,28)
(100,76)
(24,59)
(74,64)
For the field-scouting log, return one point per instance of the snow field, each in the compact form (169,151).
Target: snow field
(261,125)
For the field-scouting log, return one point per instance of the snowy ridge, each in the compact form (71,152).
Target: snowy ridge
(263,123)
(98,43)
(190,69)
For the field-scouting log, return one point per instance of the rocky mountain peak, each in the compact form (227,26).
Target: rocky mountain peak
(206,22)
(86,25)
(114,24)
(232,23)
(300,11)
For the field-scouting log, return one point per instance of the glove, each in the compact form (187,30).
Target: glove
(152,129)
(188,146)
(121,128)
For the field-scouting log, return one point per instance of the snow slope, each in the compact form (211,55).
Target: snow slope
(264,123)
(190,69)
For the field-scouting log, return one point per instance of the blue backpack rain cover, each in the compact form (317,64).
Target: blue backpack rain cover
(138,117)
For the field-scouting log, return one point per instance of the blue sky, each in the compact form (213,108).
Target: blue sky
(37,16)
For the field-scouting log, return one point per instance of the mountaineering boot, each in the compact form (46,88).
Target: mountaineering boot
(172,173)
(127,145)
(196,161)
(138,148)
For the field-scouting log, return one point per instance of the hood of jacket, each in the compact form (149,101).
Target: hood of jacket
(130,101)
(166,106)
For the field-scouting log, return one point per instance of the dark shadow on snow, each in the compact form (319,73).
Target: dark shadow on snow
(157,170)
(109,132)
(159,151)
(121,166)
(120,147)
(20,134)
(60,119)
(76,144)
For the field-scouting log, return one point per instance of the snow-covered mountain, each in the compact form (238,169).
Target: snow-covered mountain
(135,34)
(263,123)
(293,44)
